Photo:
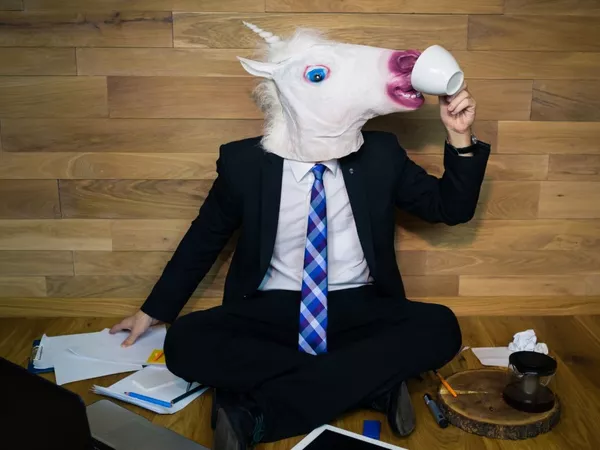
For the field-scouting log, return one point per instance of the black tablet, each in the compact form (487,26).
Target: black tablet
(332,438)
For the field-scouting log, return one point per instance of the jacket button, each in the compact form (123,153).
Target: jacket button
(245,296)
(351,171)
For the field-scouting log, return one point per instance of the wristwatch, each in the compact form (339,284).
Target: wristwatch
(464,150)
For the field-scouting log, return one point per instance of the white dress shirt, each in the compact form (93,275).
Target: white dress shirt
(346,264)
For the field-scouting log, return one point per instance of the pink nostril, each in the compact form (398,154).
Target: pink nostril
(403,62)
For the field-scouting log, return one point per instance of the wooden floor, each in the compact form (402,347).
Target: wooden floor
(573,340)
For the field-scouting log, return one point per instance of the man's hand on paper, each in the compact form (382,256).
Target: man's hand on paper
(137,324)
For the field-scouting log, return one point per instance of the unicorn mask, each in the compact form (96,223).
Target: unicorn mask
(317,94)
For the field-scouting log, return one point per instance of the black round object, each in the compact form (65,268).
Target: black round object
(533,362)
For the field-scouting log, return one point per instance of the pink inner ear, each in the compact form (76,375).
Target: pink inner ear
(403,61)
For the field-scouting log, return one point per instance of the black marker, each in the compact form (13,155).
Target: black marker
(435,411)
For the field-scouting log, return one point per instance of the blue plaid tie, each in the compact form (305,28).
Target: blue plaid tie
(313,308)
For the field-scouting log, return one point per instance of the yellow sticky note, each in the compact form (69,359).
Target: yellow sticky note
(157,357)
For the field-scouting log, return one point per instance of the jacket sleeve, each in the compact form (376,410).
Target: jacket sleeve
(451,199)
(219,217)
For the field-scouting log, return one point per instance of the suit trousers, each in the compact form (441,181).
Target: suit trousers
(252,347)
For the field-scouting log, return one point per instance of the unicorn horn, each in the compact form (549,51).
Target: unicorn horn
(269,37)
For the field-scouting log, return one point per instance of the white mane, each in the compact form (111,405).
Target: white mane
(265,93)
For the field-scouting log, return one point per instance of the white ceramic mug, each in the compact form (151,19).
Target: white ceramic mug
(436,72)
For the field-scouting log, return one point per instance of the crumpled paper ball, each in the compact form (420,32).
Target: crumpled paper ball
(527,341)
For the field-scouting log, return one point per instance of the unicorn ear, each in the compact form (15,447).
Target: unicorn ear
(258,68)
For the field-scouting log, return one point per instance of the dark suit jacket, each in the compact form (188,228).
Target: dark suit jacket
(246,196)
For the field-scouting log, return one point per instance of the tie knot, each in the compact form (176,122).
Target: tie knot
(318,170)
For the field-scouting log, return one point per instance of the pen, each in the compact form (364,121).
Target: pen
(446,385)
(149,399)
(189,386)
(187,394)
(435,411)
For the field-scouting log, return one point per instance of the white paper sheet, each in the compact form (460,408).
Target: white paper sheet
(68,367)
(493,356)
(151,380)
(107,347)
(52,346)
(166,393)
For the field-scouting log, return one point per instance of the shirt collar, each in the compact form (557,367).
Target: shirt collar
(300,169)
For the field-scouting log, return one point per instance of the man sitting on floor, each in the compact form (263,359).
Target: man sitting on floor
(315,321)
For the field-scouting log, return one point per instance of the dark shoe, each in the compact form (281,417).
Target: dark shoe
(398,408)
(401,414)
(219,397)
(238,428)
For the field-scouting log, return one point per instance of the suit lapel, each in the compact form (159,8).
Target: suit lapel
(271,176)
(354,178)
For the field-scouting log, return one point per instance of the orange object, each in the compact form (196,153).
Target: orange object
(446,385)
(156,357)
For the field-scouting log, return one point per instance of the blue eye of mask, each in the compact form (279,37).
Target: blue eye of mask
(316,74)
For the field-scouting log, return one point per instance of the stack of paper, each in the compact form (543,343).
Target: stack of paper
(89,355)
(153,381)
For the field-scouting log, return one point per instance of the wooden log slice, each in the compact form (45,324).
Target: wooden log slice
(480,408)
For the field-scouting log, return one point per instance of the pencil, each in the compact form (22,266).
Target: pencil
(159,356)
(187,394)
(446,385)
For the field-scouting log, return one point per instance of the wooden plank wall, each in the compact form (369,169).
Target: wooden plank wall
(112,111)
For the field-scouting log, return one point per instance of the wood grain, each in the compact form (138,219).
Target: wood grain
(386,6)
(161,62)
(508,200)
(549,137)
(147,235)
(418,31)
(30,263)
(533,33)
(496,100)
(22,286)
(124,135)
(108,165)
(490,286)
(138,199)
(37,61)
(563,100)
(431,286)
(569,199)
(558,7)
(53,97)
(140,263)
(86,307)
(529,65)
(85,29)
(120,263)
(427,136)
(516,235)
(592,285)
(32,199)
(509,262)
(500,167)
(54,235)
(562,334)
(182,97)
(11,5)
(574,167)
(148,5)
(101,286)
